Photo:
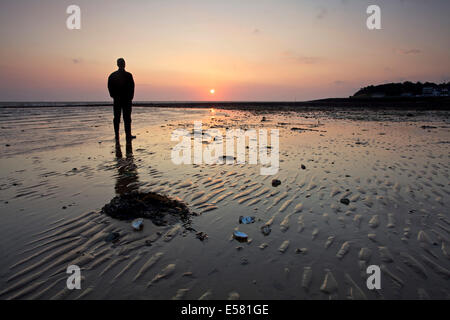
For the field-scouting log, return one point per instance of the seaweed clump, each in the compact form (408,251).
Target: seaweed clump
(160,209)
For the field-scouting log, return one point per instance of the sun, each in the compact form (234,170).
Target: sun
(212,91)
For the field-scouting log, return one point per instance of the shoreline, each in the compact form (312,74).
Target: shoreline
(394,103)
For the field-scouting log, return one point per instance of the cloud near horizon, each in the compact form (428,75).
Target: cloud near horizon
(408,52)
(302,59)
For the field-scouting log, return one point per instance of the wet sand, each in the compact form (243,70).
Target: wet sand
(62,166)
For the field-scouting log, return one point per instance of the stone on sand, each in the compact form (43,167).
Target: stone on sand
(329,284)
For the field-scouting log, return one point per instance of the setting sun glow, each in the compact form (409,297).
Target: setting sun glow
(212,91)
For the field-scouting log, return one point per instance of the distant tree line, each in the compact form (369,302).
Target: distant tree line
(399,89)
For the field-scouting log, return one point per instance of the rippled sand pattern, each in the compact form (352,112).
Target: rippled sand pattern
(357,189)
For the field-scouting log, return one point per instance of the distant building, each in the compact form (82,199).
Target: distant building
(427,91)
(444,92)
(378,95)
(430,92)
(407,94)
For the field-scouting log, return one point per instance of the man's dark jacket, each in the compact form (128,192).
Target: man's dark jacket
(121,85)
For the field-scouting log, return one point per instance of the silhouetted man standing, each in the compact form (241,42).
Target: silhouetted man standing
(121,89)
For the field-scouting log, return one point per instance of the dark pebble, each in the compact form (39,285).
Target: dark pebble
(148,243)
(276,182)
(201,236)
(266,230)
(112,237)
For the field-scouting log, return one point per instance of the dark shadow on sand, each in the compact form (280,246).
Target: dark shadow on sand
(131,203)
(127,178)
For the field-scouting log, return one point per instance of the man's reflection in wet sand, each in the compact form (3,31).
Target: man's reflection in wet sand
(127,178)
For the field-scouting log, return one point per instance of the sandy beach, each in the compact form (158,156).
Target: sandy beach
(60,166)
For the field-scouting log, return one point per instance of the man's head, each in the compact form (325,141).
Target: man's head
(121,63)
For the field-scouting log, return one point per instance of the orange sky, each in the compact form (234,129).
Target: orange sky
(245,50)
